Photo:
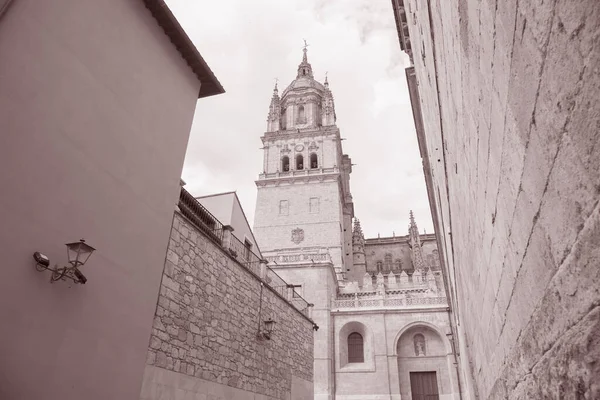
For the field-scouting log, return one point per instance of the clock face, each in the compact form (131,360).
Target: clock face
(299,147)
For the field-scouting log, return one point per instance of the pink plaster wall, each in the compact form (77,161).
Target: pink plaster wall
(95,110)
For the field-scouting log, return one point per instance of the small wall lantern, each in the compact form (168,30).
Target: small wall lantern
(267,330)
(77,252)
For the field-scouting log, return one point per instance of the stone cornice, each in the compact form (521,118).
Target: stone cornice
(301,133)
(293,177)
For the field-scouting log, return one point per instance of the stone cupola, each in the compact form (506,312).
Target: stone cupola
(305,104)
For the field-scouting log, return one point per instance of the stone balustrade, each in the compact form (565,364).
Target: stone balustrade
(386,301)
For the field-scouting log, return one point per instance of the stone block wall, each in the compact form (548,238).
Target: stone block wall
(508,93)
(205,329)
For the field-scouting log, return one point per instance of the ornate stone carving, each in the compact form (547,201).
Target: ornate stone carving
(297,235)
(420,345)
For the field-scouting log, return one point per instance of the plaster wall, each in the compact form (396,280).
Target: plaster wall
(220,206)
(95,108)
(508,95)
(227,209)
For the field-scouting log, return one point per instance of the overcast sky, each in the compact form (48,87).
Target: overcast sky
(248,44)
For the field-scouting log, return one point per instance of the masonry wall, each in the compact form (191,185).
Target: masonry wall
(508,93)
(204,337)
(96,105)
(321,227)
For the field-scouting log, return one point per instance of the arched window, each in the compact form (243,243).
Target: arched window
(283,122)
(314,163)
(379,266)
(299,162)
(388,261)
(301,117)
(398,264)
(285,164)
(355,348)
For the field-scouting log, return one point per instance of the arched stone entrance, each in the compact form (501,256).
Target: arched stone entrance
(423,360)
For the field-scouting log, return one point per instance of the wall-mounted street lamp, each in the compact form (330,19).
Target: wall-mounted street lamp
(77,252)
(267,329)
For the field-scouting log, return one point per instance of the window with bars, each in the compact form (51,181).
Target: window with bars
(355,348)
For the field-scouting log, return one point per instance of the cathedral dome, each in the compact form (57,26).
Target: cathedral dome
(305,78)
(304,104)
(304,83)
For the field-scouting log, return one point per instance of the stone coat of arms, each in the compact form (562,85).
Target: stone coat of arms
(297,235)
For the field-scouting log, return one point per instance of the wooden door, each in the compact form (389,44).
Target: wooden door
(423,386)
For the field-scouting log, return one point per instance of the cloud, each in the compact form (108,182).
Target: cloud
(248,44)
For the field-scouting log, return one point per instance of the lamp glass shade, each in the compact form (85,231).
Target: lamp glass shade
(269,326)
(79,252)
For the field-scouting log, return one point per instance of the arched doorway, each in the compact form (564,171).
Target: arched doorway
(423,364)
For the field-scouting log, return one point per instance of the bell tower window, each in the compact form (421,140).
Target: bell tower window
(314,161)
(299,162)
(285,164)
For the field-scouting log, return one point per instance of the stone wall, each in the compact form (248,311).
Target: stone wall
(508,92)
(205,329)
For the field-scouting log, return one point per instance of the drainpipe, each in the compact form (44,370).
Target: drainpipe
(333,353)
(452,344)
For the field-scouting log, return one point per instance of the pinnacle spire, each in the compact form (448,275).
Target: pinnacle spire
(358,238)
(274,111)
(415,244)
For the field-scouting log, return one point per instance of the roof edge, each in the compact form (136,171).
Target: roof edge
(209,84)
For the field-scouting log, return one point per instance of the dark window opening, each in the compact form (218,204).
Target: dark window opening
(283,120)
(299,162)
(314,161)
(285,164)
(301,115)
(355,348)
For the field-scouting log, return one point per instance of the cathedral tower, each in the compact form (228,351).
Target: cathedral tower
(304,210)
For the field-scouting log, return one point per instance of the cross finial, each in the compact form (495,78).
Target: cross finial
(305,44)
(276,81)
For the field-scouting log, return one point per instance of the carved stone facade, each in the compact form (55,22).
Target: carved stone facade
(385,291)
